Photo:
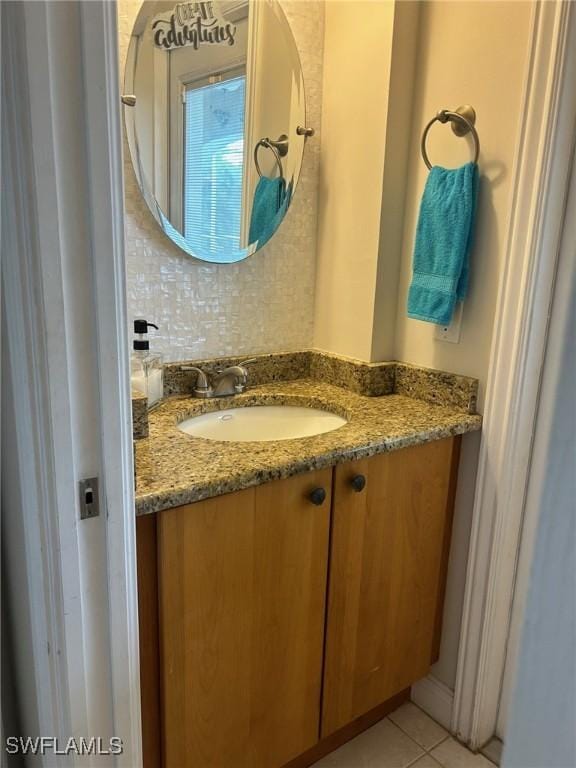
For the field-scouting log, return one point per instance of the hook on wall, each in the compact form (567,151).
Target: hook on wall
(303,131)
(462,121)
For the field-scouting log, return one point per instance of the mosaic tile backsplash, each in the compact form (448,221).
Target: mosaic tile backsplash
(262,304)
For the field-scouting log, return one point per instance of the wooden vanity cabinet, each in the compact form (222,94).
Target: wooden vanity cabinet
(282,621)
(389,553)
(242,591)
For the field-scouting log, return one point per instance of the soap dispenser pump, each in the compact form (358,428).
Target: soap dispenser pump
(147,373)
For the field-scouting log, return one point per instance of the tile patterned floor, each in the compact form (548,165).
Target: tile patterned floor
(407,738)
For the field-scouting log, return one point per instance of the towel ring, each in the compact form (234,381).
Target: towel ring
(276,152)
(462,120)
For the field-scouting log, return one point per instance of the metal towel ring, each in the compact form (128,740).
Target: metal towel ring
(267,143)
(462,120)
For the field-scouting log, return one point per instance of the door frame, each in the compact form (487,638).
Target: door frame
(65,273)
(548,123)
(104,142)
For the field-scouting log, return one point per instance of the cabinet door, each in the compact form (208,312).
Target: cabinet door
(387,571)
(242,608)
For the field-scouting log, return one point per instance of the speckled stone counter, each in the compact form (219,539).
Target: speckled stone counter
(173,468)
(139,415)
(373,379)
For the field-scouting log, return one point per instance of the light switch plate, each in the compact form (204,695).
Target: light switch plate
(451,333)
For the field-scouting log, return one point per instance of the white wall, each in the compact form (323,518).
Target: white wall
(472,53)
(262,304)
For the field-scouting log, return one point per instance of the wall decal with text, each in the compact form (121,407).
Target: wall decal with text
(192,24)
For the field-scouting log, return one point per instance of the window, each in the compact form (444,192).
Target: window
(213,166)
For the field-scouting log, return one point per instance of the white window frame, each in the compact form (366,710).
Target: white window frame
(178,131)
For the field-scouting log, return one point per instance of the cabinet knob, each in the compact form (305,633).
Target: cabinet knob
(318,496)
(358,483)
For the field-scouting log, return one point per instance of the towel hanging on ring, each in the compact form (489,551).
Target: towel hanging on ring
(443,239)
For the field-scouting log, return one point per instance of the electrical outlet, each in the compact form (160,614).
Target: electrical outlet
(451,333)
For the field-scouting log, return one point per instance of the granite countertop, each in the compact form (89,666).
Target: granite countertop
(173,468)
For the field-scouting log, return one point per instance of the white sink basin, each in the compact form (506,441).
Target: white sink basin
(261,423)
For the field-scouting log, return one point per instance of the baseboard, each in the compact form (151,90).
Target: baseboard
(435,698)
(493,750)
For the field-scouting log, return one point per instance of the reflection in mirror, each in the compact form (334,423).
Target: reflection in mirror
(214,128)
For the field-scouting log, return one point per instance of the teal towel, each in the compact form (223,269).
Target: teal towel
(443,239)
(278,218)
(268,209)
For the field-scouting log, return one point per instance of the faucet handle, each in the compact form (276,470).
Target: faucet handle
(202,383)
(240,383)
(246,362)
(236,365)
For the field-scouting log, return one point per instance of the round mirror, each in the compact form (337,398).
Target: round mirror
(215,116)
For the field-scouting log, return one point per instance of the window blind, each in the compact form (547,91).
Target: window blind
(213,167)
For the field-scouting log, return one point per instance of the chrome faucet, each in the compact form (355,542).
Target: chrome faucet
(230,381)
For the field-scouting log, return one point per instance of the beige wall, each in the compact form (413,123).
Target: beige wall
(356,69)
(469,52)
(369,50)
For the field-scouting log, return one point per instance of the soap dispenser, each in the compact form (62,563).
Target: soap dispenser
(147,372)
